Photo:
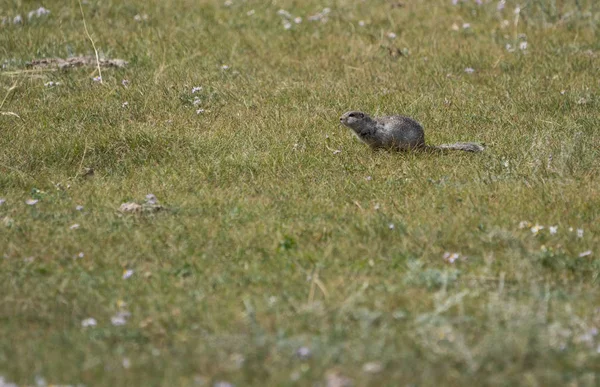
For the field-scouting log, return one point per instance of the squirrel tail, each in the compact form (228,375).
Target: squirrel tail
(463,146)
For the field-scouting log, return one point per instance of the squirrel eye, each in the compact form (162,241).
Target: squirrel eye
(361,115)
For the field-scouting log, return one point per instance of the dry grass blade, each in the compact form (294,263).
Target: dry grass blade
(91,40)
(13,114)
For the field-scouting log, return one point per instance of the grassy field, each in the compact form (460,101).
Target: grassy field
(285,251)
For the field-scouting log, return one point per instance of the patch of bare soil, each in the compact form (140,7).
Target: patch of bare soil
(74,62)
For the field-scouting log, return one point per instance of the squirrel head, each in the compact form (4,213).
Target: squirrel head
(354,119)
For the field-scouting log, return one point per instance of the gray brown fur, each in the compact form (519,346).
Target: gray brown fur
(396,133)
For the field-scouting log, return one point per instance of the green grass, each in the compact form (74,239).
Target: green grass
(271,242)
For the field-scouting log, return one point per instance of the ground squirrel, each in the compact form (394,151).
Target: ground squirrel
(396,132)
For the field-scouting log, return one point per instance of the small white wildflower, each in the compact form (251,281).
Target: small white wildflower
(125,104)
(455,27)
(376,207)
(581,101)
(79,208)
(225,67)
(466,26)
(570,229)
(88,322)
(31,202)
(197,101)
(196,89)
(127,274)
(287,25)
(469,70)
(368,178)
(97,79)
(523,46)
(80,255)
(120,318)
(251,12)
(74,226)
(125,83)
(553,229)
(562,92)
(298,20)
(501,5)
(18,19)
(391,226)
(517,10)
(536,229)
(126,363)
(326,11)
(199,111)
(303,353)
(510,48)
(151,199)
(391,35)
(372,367)
(284,13)
(361,23)
(118,321)
(505,23)
(2,201)
(139,18)
(337,151)
(524,224)
(41,11)
(585,253)
(579,233)
(228,3)
(51,84)
(450,257)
